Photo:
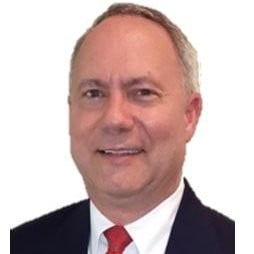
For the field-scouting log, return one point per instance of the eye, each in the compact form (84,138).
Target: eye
(93,93)
(145,92)
(144,95)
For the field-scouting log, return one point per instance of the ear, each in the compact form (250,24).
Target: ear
(69,100)
(192,114)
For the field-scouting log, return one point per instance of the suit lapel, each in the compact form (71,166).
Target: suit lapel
(191,232)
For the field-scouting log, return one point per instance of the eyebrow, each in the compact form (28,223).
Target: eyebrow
(139,80)
(128,82)
(91,82)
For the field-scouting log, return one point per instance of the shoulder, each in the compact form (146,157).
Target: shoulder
(219,221)
(223,226)
(50,220)
(45,230)
(210,226)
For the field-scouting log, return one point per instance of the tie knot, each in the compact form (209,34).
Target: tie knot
(118,238)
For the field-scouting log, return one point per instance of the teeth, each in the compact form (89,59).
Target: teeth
(121,152)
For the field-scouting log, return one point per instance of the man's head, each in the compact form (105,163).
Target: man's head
(186,53)
(133,108)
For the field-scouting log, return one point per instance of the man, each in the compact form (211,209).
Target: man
(134,104)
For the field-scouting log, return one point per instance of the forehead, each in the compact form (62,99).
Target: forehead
(129,25)
(129,45)
(126,30)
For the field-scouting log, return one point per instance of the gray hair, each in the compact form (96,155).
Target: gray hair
(185,51)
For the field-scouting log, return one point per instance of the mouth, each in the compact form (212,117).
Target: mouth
(120,151)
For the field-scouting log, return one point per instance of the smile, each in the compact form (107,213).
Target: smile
(121,152)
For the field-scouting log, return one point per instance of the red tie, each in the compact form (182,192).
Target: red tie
(118,238)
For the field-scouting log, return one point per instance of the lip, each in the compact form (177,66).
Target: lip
(120,151)
(121,155)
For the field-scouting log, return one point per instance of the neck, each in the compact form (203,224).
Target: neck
(125,210)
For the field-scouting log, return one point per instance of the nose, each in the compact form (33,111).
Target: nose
(117,116)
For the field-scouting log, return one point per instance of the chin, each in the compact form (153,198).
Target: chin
(121,191)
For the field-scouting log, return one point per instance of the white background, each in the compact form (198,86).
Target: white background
(37,38)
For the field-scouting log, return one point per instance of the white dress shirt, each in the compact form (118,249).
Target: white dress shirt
(150,233)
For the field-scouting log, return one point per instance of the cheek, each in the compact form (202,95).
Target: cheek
(162,126)
(167,145)
(74,122)
(79,125)
(166,136)
(79,133)
(80,148)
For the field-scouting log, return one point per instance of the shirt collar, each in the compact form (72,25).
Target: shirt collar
(99,223)
(158,223)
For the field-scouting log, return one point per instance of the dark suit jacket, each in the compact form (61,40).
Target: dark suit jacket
(197,230)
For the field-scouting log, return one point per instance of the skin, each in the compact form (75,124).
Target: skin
(127,98)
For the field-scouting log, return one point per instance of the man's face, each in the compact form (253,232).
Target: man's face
(130,116)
